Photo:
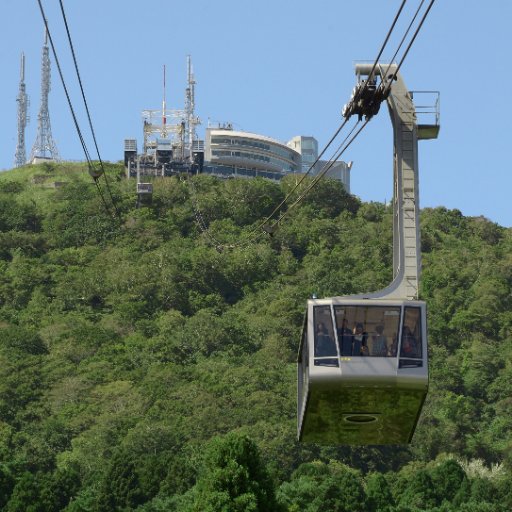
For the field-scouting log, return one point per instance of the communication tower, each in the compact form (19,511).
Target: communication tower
(177,127)
(170,145)
(44,147)
(20,157)
(192,119)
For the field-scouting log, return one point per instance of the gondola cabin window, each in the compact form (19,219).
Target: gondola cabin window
(411,352)
(326,353)
(367,330)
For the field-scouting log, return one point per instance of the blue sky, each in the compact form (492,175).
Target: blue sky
(280,69)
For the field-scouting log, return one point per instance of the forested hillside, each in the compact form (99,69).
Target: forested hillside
(142,368)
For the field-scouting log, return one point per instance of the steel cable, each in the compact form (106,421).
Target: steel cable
(323,172)
(285,200)
(70,104)
(72,48)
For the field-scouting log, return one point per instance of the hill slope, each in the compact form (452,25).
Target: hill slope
(127,345)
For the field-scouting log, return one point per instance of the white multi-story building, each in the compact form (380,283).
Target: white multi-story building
(238,153)
(307,146)
(229,152)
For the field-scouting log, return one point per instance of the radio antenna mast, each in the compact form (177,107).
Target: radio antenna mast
(44,147)
(164,118)
(192,119)
(20,157)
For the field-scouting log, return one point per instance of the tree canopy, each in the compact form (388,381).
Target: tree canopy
(148,363)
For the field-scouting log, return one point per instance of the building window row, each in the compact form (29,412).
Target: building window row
(240,142)
(233,171)
(241,154)
(257,145)
(253,156)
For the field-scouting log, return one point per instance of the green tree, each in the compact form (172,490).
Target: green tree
(448,478)
(300,492)
(316,487)
(329,198)
(419,492)
(340,493)
(378,494)
(59,487)
(25,496)
(234,478)
(120,488)
(6,485)
(17,216)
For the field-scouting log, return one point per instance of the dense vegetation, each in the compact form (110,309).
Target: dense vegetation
(143,369)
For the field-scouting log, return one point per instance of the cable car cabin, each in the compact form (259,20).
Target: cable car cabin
(362,371)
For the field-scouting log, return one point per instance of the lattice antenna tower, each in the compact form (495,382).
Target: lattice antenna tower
(44,146)
(192,120)
(164,111)
(20,158)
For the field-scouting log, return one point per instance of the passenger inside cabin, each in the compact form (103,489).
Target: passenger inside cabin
(345,338)
(324,344)
(359,343)
(409,343)
(379,345)
(393,346)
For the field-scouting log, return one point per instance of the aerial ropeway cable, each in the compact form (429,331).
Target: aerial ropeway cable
(367,96)
(341,149)
(93,171)
(366,100)
(265,227)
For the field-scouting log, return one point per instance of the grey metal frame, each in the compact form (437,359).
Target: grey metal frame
(387,399)
(374,400)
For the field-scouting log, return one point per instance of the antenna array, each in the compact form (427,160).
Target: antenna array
(44,146)
(20,157)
